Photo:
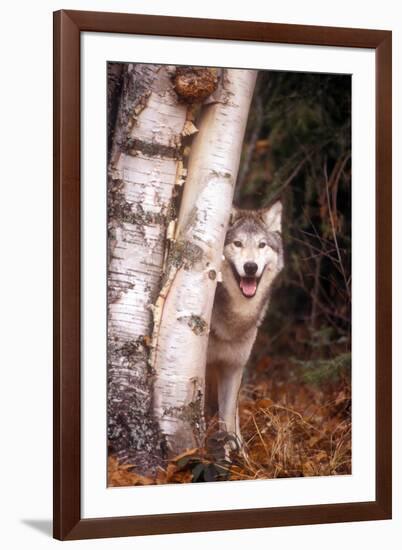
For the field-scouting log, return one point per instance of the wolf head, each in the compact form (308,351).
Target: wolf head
(253,249)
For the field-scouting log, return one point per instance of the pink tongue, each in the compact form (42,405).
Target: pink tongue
(248,285)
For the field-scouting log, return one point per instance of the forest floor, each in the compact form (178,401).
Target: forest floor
(291,429)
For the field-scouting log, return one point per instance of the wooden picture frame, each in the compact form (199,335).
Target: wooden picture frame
(68,523)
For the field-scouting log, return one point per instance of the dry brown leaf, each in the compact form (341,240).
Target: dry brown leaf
(189,452)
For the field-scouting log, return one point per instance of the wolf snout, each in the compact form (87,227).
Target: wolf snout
(250,268)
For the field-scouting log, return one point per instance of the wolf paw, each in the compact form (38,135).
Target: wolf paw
(224,446)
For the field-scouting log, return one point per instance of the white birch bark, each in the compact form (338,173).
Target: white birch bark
(143,172)
(185,303)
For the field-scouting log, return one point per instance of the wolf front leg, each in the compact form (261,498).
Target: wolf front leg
(228,381)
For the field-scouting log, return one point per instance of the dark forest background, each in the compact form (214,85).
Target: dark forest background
(298,148)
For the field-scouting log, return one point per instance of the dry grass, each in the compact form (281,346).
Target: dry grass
(302,431)
(299,430)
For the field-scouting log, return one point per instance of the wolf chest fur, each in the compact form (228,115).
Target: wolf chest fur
(252,258)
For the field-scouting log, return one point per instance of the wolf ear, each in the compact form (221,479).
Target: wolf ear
(234,215)
(272,217)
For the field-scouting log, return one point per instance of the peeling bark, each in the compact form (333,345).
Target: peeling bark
(114,84)
(145,157)
(183,308)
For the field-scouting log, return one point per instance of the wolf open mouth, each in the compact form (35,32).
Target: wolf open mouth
(247,285)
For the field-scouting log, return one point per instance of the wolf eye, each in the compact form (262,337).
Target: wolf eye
(238,244)
(262,245)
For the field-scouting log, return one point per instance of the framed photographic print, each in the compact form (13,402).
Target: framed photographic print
(222,326)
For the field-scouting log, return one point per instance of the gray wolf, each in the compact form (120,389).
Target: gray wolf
(252,258)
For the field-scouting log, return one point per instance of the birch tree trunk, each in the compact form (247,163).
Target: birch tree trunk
(183,309)
(143,172)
